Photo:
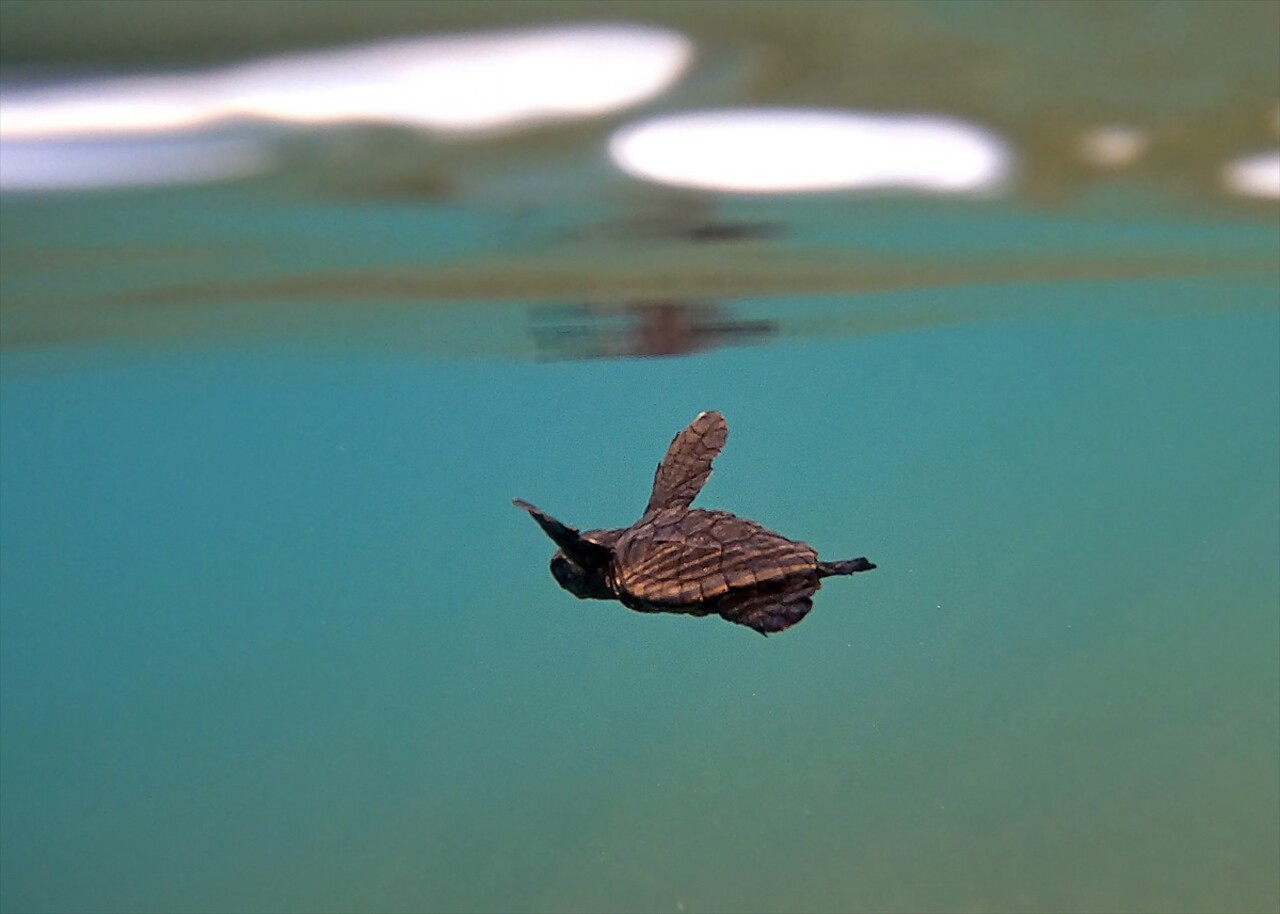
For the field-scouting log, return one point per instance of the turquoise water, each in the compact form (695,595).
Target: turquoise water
(273,637)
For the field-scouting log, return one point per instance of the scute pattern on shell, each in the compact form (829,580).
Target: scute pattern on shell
(677,557)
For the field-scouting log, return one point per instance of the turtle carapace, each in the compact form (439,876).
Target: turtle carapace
(678,559)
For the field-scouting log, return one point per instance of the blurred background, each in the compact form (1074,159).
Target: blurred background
(295,297)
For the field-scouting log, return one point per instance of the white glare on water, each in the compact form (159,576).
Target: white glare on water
(1254,176)
(792,150)
(135,162)
(464,83)
(182,127)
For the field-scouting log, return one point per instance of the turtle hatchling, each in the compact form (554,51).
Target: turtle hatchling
(678,559)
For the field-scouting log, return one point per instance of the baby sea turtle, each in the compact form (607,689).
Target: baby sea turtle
(678,559)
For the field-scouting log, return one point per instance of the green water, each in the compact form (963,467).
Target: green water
(273,637)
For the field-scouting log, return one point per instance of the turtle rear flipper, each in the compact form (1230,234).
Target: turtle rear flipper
(769,612)
(850,566)
(687,466)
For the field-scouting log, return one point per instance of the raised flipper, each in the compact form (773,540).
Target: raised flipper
(586,552)
(770,612)
(687,466)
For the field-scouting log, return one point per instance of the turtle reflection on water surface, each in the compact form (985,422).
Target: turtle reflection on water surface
(678,559)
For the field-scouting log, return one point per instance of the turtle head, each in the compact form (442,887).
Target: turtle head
(585,583)
(580,564)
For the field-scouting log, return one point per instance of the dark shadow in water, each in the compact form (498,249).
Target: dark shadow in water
(603,330)
(642,302)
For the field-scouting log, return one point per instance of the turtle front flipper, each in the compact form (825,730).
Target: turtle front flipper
(687,466)
(583,551)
